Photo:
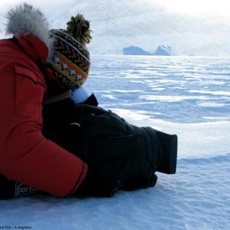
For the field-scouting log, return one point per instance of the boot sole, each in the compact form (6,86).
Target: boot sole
(168,162)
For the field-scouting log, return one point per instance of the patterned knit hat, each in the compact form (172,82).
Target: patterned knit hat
(70,61)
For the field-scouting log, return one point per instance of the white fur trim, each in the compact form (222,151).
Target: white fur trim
(80,95)
(25,19)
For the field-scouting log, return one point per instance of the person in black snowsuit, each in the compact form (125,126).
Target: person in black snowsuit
(99,136)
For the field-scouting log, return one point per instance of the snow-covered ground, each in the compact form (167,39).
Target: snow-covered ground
(188,96)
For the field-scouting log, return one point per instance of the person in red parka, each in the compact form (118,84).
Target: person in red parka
(26,156)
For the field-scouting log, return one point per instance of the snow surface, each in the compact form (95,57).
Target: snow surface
(183,95)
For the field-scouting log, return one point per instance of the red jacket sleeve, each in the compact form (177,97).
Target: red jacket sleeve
(26,155)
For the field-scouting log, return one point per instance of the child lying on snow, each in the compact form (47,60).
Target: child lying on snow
(131,154)
(79,149)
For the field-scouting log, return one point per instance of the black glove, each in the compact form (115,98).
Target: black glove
(10,189)
(102,180)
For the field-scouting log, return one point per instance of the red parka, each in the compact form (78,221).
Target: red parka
(26,155)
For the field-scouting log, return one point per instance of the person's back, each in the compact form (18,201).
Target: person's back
(26,156)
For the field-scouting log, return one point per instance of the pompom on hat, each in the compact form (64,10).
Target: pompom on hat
(70,61)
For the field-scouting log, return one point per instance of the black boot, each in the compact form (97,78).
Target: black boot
(168,161)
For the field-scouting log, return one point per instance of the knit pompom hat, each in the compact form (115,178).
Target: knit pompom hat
(70,61)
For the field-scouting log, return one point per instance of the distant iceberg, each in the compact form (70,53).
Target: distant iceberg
(134,50)
(162,50)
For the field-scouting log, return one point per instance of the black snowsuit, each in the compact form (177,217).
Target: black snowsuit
(97,135)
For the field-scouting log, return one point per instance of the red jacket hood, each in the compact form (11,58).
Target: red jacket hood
(34,47)
(30,28)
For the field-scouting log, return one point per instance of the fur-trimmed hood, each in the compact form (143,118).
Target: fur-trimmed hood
(26,20)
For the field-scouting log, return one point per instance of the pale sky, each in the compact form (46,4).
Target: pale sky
(191,39)
(193,7)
